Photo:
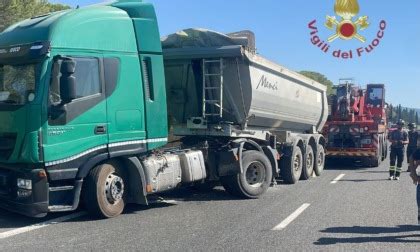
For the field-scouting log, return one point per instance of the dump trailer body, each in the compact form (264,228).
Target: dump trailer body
(256,93)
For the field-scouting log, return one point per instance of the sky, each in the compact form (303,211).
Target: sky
(283,36)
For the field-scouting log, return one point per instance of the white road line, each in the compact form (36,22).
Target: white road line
(334,181)
(22,230)
(291,217)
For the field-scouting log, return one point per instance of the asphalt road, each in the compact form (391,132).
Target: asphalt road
(362,211)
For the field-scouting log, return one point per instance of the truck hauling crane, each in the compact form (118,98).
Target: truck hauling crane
(356,127)
(85,110)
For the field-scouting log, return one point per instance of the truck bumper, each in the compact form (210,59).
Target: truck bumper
(351,153)
(38,210)
(31,202)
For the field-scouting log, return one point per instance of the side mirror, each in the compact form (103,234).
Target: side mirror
(68,80)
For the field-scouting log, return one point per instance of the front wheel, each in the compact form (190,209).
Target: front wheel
(105,191)
(255,179)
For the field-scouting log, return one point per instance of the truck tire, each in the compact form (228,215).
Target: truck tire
(308,166)
(320,160)
(384,149)
(255,179)
(104,192)
(291,167)
(376,161)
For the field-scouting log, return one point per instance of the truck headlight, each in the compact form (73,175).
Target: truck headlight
(24,183)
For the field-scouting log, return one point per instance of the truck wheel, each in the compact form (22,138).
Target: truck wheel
(105,193)
(320,160)
(255,179)
(308,167)
(384,149)
(291,167)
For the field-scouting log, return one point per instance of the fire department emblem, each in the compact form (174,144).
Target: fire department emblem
(346,28)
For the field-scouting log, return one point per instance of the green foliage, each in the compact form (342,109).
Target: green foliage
(319,78)
(12,11)
(398,112)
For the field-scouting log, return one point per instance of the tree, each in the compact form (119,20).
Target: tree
(390,113)
(12,11)
(319,78)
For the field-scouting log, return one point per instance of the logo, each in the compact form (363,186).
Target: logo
(347,25)
(264,83)
(345,28)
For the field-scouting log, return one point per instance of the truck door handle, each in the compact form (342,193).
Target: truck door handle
(100,130)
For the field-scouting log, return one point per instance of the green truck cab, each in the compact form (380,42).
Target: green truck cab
(88,101)
(77,87)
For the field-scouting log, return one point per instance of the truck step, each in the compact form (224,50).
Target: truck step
(60,208)
(61,188)
(213,74)
(212,101)
(212,61)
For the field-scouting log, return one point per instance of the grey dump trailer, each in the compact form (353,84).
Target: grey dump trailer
(242,111)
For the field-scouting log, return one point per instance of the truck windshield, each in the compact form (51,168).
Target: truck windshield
(375,96)
(17,83)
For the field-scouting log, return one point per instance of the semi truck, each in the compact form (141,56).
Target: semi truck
(356,127)
(93,110)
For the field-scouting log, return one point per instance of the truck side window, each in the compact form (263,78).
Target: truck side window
(87,77)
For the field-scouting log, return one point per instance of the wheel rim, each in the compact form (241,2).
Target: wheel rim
(114,189)
(255,174)
(297,163)
(320,160)
(309,161)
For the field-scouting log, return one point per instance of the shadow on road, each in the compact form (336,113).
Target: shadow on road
(344,164)
(395,238)
(192,194)
(370,171)
(361,180)
(9,220)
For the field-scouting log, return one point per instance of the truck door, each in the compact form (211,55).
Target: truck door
(77,130)
(155,99)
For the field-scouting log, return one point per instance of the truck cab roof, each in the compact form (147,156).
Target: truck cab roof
(103,27)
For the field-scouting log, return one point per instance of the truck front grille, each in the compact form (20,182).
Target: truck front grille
(7,145)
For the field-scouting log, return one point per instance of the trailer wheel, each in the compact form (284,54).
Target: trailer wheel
(291,167)
(320,160)
(308,167)
(105,193)
(255,179)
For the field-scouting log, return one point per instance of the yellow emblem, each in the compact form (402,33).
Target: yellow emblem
(345,28)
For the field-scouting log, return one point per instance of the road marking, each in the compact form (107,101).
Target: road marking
(22,230)
(334,181)
(291,217)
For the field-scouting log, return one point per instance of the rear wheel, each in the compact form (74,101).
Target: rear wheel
(320,160)
(308,167)
(291,167)
(255,179)
(105,191)
(376,161)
